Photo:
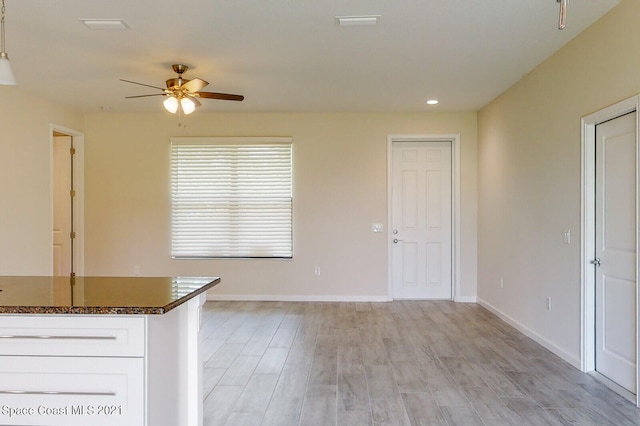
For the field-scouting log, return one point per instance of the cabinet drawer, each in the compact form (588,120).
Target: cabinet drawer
(77,335)
(71,391)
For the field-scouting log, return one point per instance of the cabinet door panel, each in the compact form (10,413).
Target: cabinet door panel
(71,391)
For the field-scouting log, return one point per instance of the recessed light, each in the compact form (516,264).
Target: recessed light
(432,102)
(355,21)
(105,24)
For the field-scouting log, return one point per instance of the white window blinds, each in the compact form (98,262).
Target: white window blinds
(231,197)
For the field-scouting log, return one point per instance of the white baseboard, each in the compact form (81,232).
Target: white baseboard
(301,298)
(293,298)
(531,334)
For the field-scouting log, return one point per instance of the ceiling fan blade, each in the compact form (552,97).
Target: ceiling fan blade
(194,85)
(141,84)
(223,96)
(145,96)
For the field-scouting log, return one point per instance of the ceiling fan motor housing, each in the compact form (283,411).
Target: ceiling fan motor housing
(174,83)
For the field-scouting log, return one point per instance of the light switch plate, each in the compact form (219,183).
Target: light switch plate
(566,236)
(377,227)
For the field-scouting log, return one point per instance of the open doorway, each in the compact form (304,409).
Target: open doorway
(67,206)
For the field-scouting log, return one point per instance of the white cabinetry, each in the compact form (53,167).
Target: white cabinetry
(71,391)
(72,335)
(101,369)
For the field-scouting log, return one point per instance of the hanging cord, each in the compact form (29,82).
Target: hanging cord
(563,14)
(72,197)
(3,54)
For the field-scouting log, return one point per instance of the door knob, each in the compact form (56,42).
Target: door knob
(595,261)
(395,241)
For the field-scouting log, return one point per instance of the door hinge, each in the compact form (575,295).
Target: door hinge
(72,193)
(72,234)
(72,151)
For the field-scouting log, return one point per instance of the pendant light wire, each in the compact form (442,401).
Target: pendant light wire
(3,53)
(563,14)
(6,75)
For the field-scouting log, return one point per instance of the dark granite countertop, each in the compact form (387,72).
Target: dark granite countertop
(98,295)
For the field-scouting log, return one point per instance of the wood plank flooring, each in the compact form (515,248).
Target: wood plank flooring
(398,363)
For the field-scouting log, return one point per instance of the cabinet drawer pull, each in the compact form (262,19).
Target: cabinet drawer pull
(48,337)
(23,392)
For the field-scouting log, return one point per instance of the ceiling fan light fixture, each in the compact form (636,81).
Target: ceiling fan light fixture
(171,104)
(6,75)
(188,106)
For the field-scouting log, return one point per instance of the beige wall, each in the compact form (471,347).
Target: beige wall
(25,184)
(339,190)
(529,177)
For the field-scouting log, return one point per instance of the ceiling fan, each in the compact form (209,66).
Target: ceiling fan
(182,93)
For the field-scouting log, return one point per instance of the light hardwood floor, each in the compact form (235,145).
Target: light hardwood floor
(398,363)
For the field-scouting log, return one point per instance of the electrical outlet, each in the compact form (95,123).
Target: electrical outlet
(549,303)
(566,236)
(316,271)
(136,269)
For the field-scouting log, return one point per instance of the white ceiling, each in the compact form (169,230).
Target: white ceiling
(288,55)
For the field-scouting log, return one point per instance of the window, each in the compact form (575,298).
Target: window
(231,197)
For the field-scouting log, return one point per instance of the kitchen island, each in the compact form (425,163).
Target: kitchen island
(101,350)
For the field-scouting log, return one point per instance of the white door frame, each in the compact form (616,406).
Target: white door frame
(78,185)
(455,180)
(587,305)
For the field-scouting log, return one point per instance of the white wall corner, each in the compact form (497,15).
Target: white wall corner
(566,356)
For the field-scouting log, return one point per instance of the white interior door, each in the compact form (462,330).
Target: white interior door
(615,268)
(421,256)
(61,206)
